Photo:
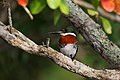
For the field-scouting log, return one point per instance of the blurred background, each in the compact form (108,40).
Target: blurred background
(16,64)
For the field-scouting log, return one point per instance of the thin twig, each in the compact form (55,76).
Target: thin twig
(9,15)
(28,12)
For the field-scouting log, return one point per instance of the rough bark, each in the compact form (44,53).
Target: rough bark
(94,35)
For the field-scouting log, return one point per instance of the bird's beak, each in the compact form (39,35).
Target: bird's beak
(56,32)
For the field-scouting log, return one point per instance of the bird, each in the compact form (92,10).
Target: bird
(67,43)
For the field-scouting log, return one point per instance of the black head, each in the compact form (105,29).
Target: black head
(66,30)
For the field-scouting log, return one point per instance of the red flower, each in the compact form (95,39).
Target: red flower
(23,2)
(117,7)
(111,5)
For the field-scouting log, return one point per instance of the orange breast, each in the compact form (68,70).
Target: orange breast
(68,39)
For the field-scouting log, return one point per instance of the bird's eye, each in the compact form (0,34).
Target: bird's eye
(64,30)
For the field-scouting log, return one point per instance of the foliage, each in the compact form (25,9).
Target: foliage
(106,25)
(64,7)
(37,6)
(53,4)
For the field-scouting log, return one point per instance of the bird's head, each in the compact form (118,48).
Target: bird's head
(67,36)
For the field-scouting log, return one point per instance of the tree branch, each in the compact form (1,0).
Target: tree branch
(94,35)
(17,39)
(99,9)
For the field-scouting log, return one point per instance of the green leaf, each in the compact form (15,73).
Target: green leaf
(56,16)
(92,12)
(106,25)
(36,6)
(95,3)
(53,4)
(64,7)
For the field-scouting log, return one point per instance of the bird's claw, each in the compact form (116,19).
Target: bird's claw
(47,43)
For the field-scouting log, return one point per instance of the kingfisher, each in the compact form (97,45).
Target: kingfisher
(67,43)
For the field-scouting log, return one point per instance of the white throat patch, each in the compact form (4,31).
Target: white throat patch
(64,34)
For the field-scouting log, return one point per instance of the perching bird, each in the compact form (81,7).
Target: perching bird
(67,43)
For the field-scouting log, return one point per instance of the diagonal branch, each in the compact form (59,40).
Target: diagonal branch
(17,39)
(94,35)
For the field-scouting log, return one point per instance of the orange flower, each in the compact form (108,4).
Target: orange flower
(111,5)
(117,7)
(23,2)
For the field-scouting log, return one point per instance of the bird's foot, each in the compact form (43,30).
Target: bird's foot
(47,43)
